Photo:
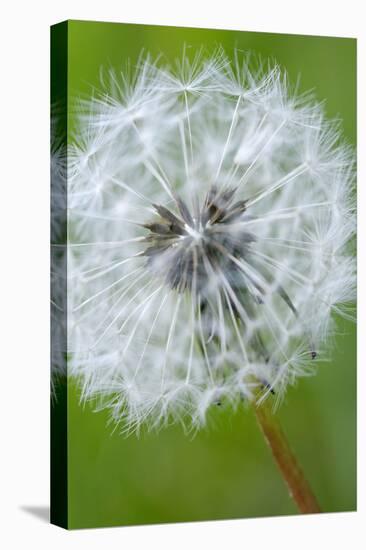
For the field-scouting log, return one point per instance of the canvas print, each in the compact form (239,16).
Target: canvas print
(203,227)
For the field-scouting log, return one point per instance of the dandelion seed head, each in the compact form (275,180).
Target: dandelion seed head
(210,219)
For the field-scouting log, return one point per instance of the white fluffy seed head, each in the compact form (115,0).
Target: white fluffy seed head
(210,218)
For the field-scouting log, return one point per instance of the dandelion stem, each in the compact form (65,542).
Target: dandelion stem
(286,461)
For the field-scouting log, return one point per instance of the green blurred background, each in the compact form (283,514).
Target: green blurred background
(226,470)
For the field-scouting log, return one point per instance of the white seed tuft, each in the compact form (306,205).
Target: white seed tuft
(210,218)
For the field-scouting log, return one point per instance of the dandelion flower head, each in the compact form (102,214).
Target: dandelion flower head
(209,221)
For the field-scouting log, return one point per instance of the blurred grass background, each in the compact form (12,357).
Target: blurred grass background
(226,470)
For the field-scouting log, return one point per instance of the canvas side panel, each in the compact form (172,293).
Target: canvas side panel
(59,434)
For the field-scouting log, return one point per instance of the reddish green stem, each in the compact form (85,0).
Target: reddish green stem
(286,461)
